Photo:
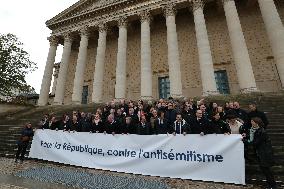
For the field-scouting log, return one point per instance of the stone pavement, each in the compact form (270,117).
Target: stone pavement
(27,175)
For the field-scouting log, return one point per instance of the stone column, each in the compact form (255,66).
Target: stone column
(47,76)
(97,95)
(204,52)
(173,52)
(120,85)
(61,81)
(146,67)
(240,51)
(55,76)
(80,67)
(275,31)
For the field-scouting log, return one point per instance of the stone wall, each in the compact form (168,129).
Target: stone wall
(256,38)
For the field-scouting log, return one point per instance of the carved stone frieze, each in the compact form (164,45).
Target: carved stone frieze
(117,15)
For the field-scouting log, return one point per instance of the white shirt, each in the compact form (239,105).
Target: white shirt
(235,128)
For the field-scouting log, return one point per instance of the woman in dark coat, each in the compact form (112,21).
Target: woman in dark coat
(97,124)
(75,126)
(26,134)
(65,124)
(263,148)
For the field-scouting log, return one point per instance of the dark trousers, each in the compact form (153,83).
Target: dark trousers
(269,176)
(22,148)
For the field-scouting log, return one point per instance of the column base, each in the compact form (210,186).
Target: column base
(119,99)
(76,103)
(177,96)
(57,103)
(249,90)
(210,93)
(146,98)
(42,104)
(97,101)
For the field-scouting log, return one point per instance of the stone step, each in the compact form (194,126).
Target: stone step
(275,127)
(275,130)
(260,180)
(277,143)
(252,169)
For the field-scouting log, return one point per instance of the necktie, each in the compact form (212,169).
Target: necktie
(178,128)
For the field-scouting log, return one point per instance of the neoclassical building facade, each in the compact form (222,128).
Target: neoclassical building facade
(147,49)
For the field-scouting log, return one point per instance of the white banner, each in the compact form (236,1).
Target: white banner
(217,158)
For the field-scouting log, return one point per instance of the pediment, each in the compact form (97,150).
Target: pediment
(81,7)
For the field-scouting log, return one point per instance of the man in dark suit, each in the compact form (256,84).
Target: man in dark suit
(143,127)
(180,126)
(85,122)
(254,112)
(241,113)
(112,127)
(200,125)
(171,113)
(188,112)
(129,127)
(133,115)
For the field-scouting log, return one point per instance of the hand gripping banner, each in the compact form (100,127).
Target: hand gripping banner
(218,158)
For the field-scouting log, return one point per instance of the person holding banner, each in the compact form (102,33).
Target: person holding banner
(162,125)
(97,124)
(129,127)
(143,127)
(75,126)
(23,142)
(263,148)
(200,125)
(112,127)
(180,126)
(219,126)
(65,123)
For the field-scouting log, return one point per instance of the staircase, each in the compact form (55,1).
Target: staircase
(272,104)
(11,124)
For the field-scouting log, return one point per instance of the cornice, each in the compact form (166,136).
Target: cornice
(109,5)
(110,16)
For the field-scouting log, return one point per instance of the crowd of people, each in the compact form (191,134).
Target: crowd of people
(171,117)
(163,117)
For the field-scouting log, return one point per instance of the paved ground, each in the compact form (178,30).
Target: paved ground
(30,172)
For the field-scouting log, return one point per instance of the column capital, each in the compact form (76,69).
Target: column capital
(84,31)
(225,1)
(169,9)
(196,4)
(122,21)
(102,26)
(68,37)
(53,40)
(145,16)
